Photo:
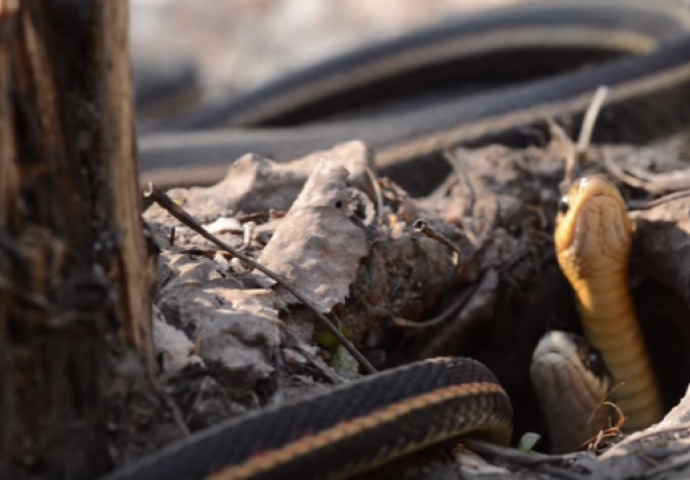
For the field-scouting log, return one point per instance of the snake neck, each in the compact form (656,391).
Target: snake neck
(610,325)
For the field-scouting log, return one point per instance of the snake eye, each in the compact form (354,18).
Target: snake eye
(564,205)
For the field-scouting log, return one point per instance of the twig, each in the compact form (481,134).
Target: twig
(248,217)
(455,162)
(377,191)
(420,226)
(549,464)
(452,309)
(647,204)
(657,183)
(570,154)
(576,153)
(589,121)
(618,172)
(179,213)
(248,235)
(516,456)
(476,310)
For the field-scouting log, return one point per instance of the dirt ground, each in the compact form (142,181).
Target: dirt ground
(400,295)
(231,340)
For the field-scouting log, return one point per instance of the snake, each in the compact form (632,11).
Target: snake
(362,425)
(593,245)
(593,239)
(569,49)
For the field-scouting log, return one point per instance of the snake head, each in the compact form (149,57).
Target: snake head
(556,346)
(571,382)
(580,362)
(593,231)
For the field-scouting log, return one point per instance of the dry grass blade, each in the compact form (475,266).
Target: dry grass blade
(590,120)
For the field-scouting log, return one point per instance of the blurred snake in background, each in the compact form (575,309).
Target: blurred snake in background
(562,51)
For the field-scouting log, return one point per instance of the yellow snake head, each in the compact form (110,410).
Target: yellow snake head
(593,239)
(593,230)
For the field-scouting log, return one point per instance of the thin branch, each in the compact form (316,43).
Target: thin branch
(617,171)
(620,174)
(247,236)
(179,213)
(518,457)
(379,195)
(570,155)
(649,204)
(420,226)
(452,309)
(458,167)
(590,120)
(577,152)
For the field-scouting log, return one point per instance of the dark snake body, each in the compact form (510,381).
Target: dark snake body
(389,413)
(636,49)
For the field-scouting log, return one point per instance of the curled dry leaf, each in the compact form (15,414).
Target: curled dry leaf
(319,244)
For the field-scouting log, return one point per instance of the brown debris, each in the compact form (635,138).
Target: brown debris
(358,258)
(256,184)
(320,242)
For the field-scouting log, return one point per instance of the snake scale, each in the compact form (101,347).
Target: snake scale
(364,424)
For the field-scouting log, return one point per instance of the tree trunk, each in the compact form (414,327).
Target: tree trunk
(76,273)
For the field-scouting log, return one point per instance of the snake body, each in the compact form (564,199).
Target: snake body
(346,430)
(637,49)
(593,241)
(367,423)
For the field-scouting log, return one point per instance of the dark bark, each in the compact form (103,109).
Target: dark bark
(76,275)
